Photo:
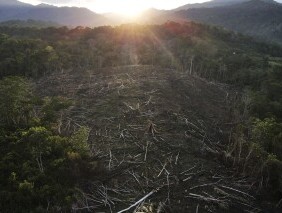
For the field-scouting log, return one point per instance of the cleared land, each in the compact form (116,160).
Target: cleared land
(159,134)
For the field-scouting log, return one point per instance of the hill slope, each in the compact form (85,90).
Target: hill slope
(257,18)
(71,16)
(9,9)
(210,4)
(28,23)
(159,124)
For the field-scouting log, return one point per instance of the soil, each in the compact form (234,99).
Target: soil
(157,131)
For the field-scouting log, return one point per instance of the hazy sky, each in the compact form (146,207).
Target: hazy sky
(103,6)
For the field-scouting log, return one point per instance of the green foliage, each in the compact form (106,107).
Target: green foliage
(51,107)
(216,53)
(38,168)
(26,57)
(26,186)
(79,141)
(268,133)
(3,38)
(41,169)
(15,101)
(28,23)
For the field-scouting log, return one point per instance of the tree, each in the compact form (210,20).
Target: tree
(15,101)
(37,138)
(267,133)
(79,141)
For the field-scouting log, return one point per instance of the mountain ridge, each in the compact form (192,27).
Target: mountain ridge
(258,18)
(210,4)
(71,16)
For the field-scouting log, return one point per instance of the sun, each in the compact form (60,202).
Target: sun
(130,11)
(126,8)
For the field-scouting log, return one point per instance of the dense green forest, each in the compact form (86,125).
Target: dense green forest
(38,167)
(258,18)
(29,23)
(42,168)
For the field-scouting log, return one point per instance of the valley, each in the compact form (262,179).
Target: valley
(160,116)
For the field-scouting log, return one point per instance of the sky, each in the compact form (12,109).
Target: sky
(125,7)
(105,6)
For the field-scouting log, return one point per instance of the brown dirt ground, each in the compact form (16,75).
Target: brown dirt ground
(151,129)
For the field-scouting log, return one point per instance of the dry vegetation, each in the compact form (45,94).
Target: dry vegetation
(160,136)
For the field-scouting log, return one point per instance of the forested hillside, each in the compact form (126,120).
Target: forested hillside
(186,116)
(29,23)
(70,16)
(211,4)
(258,18)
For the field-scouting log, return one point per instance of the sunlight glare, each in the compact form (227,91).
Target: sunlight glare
(127,8)
(131,9)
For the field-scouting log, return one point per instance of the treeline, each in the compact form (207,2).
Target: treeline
(34,52)
(36,160)
(206,51)
(166,45)
(30,23)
